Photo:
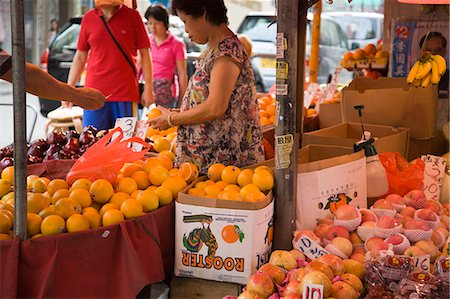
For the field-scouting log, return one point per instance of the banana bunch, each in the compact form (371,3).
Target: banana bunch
(427,70)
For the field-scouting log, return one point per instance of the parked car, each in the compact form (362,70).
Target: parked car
(361,28)
(262,30)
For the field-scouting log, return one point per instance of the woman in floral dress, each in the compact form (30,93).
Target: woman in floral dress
(218,121)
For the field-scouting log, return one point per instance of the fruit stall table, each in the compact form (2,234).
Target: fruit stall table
(114,261)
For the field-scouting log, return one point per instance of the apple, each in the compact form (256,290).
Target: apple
(445,220)
(367,215)
(354,267)
(417,224)
(262,284)
(247,294)
(354,281)
(387,222)
(375,251)
(325,221)
(337,231)
(319,266)
(346,212)
(395,199)
(439,236)
(283,259)
(369,224)
(415,198)
(433,205)
(429,248)
(383,204)
(334,262)
(359,257)
(342,290)
(317,277)
(402,219)
(343,245)
(273,272)
(322,230)
(414,251)
(297,254)
(297,274)
(355,239)
(427,214)
(293,288)
(306,232)
(394,240)
(408,211)
(372,242)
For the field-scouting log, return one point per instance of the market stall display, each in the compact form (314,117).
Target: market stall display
(369,58)
(427,70)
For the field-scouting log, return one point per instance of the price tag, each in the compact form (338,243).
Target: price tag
(422,262)
(309,247)
(433,175)
(141,132)
(280,46)
(312,291)
(127,124)
(283,149)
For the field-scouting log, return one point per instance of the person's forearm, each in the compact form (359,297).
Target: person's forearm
(183,85)
(77,68)
(147,69)
(206,111)
(182,77)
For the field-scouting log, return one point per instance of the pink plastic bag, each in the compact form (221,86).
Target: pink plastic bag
(402,175)
(105,158)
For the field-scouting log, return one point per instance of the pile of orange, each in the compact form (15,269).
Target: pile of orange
(162,139)
(267,109)
(56,207)
(369,52)
(232,183)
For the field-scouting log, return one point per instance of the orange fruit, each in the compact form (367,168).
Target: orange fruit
(370,49)
(212,191)
(129,170)
(82,196)
(156,137)
(141,178)
(56,185)
(9,214)
(96,205)
(112,217)
(231,187)
(270,110)
(230,233)
(33,224)
(38,186)
(35,202)
(151,131)
(245,177)
(175,184)
(81,184)
(61,193)
(161,144)
(8,174)
(230,174)
(210,182)
(255,196)
(37,236)
(94,219)
(50,210)
(188,172)
(101,191)
(359,54)
(158,175)
(7,196)
(196,192)
(221,184)
(126,185)
(171,136)
(149,200)
(46,180)
(66,207)
(136,193)
(168,153)
(118,198)
(264,114)
(88,209)
(53,224)
(263,167)
(5,237)
(77,223)
(173,172)
(139,163)
(215,171)
(5,224)
(30,179)
(229,195)
(152,162)
(272,119)
(265,121)
(348,56)
(6,206)
(131,208)
(166,161)
(155,112)
(201,185)
(152,188)
(247,189)
(165,196)
(107,207)
(263,179)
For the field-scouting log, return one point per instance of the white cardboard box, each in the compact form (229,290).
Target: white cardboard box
(204,246)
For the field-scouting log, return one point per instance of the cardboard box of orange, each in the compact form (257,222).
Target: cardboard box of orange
(222,240)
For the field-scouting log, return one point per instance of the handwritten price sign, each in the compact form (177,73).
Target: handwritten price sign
(312,291)
(433,175)
(141,132)
(309,247)
(422,262)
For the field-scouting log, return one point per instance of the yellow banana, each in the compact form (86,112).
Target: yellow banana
(425,70)
(440,61)
(416,82)
(435,75)
(426,80)
(413,72)
(419,70)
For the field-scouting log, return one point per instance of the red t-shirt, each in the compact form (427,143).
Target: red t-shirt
(107,69)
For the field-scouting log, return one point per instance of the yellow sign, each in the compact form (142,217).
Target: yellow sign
(282,70)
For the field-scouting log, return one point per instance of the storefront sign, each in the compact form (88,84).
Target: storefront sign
(433,175)
(283,149)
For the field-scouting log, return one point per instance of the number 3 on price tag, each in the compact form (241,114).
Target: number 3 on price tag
(127,124)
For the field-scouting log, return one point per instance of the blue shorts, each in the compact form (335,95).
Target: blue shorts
(105,117)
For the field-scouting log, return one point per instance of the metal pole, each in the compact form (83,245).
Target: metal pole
(315,40)
(291,33)
(20,147)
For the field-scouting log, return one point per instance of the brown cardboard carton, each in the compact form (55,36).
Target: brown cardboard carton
(388,139)
(392,102)
(330,114)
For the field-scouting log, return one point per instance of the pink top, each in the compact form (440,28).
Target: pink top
(165,56)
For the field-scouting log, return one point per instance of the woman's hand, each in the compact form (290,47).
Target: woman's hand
(147,96)
(161,122)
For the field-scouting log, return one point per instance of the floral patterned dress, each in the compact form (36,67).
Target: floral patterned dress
(235,138)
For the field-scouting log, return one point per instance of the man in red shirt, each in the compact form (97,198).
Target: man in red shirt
(107,68)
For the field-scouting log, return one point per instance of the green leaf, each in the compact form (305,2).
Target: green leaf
(241,237)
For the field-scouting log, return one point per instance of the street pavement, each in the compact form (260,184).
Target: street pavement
(6,117)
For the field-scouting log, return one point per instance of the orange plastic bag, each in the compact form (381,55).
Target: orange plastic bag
(402,175)
(105,158)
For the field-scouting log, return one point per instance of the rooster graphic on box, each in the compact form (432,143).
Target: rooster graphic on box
(199,236)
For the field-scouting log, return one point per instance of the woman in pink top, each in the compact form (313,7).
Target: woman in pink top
(168,55)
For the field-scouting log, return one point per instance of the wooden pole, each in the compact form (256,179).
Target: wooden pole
(315,41)
(291,33)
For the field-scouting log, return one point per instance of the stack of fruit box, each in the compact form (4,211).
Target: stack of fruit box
(221,240)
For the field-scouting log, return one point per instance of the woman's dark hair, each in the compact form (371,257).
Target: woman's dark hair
(431,35)
(215,10)
(159,13)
